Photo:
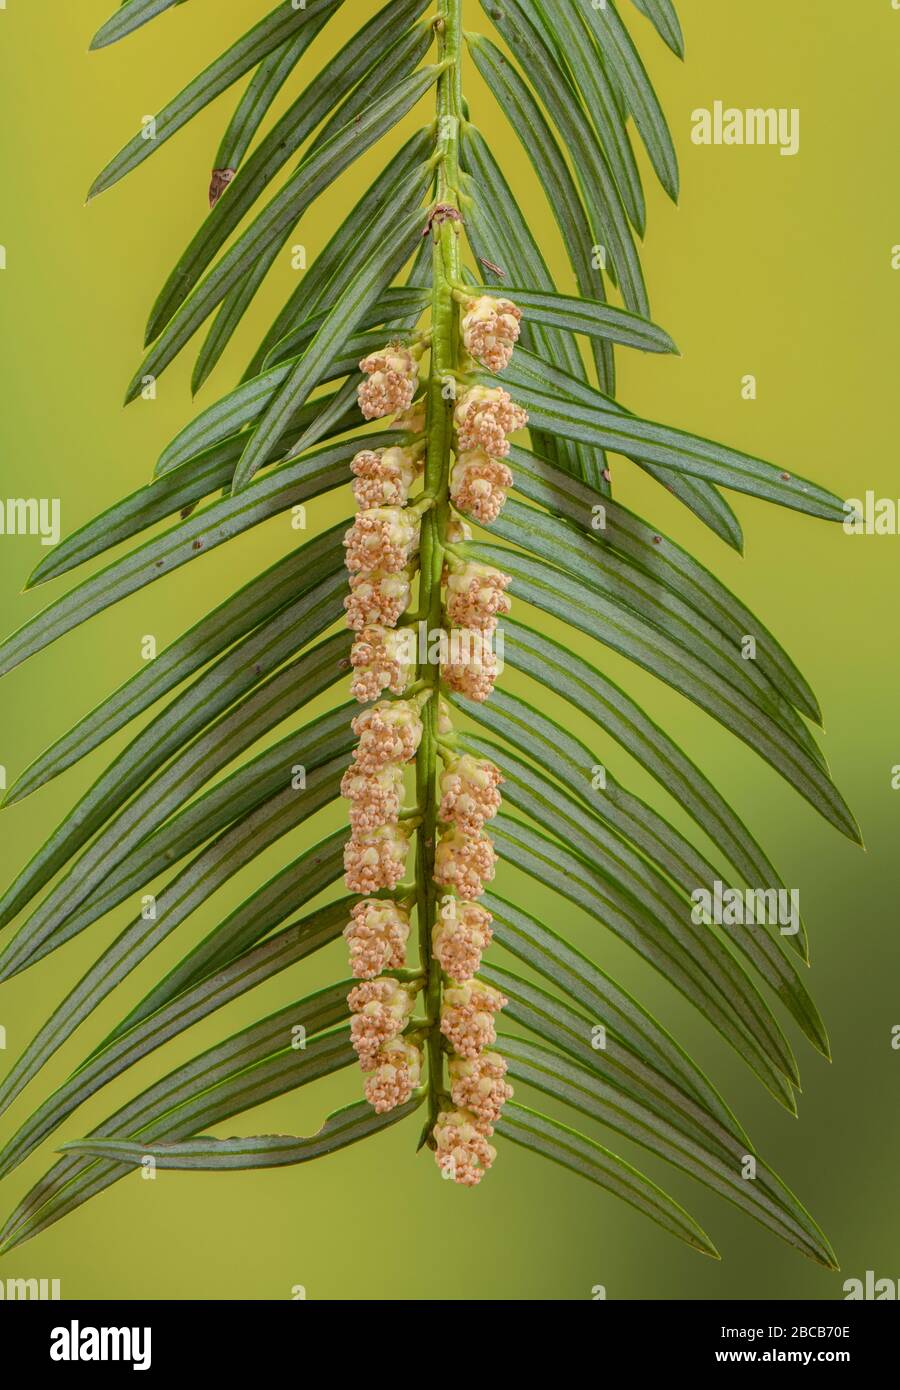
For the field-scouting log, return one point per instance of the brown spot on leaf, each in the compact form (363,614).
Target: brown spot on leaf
(220,180)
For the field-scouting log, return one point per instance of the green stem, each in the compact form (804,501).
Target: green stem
(444,363)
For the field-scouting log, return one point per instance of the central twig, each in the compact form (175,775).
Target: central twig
(441,395)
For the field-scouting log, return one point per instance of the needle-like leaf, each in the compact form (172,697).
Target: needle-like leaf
(130,16)
(662,15)
(346,1126)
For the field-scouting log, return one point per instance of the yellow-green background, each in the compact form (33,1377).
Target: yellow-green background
(772,266)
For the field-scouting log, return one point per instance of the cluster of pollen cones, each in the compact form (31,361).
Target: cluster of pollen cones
(382,559)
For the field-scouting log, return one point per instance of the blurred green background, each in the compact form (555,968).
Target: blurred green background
(772,266)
